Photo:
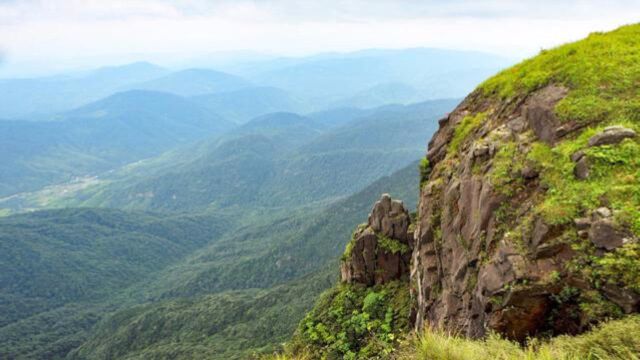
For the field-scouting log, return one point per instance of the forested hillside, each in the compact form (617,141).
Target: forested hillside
(184,213)
(100,136)
(219,300)
(266,162)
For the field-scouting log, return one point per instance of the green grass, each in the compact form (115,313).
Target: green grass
(602,72)
(425,170)
(615,340)
(392,246)
(468,124)
(615,173)
(505,173)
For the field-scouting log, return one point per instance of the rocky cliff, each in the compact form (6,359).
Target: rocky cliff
(528,213)
(528,220)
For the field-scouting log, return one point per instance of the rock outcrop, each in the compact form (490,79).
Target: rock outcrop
(379,251)
(611,135)
(484,258)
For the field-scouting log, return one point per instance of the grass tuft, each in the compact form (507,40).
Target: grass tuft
(615,340)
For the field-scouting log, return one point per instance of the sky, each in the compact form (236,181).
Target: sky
(45,36)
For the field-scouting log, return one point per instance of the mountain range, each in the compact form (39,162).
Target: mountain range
(199,212)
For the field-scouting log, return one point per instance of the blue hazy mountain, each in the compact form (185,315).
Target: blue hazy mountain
(26,98)
(365,78)
(330,78)
(244,104)
(122,128)
(193,82)
(275,160)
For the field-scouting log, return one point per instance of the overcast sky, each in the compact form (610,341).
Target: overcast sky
(48,35)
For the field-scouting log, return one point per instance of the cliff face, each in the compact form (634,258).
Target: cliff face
(529,205)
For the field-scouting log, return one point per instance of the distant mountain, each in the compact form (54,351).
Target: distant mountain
(387,93)
(216,173)
(327,79)
(344,159)
(340,115)
(193,82)
(276,160)
(362,79)
(100,136)
(30,98)
(242,105)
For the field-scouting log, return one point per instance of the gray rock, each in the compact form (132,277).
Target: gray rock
(602,212)
(390,218)
(577,155)
(582,223)
(368,263)
(566,129)
(611,135)
(606,235)
(628,300)
(582,169)
(517,124)
(529,172)
(540,112)
(540,231)
(481,150)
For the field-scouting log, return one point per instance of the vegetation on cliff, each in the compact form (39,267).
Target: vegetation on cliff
(355,322)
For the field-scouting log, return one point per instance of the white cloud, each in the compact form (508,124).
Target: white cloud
(50,33)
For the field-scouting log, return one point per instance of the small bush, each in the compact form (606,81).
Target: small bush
(425,170)
(354,322)
(391,245)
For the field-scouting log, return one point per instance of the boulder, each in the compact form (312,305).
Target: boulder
(582,169)
(529,172)
(629,301)
(540,112)
(582,223)
(601,213)
(605,234)
(577,155)
(611,135)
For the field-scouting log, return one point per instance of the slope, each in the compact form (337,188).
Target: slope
(269,162)
(245,104)
(61,270)
(100,136)
(191,316)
